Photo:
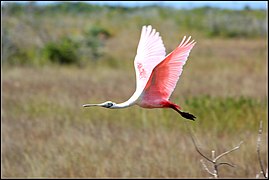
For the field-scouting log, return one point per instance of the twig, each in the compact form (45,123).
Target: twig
(214,160)
(226,163)
(259,153)
(223,154)
(197,149)
(206,168)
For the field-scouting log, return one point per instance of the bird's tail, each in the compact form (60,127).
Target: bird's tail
(183,114)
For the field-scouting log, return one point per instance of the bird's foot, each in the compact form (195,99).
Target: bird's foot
(187,116)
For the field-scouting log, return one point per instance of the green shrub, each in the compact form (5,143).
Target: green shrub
(64,51)
(98,31)
(95,39)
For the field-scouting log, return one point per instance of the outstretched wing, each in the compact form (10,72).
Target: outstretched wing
(165,75)
(150,52)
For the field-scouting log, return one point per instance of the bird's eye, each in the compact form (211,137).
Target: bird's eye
(109,105)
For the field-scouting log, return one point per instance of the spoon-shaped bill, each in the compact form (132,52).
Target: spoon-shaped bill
(90,105)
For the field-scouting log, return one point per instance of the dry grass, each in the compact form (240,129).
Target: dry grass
(46,132)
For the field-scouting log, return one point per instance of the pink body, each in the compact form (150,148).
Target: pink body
(157,74)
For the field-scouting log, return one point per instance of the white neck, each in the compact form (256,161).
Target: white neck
(132,101)
(122,105)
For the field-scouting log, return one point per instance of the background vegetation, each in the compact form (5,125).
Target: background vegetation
(57,57)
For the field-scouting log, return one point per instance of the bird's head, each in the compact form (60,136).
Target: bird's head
(107,104)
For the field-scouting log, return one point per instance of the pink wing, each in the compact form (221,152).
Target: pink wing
(165,75)
(150,52)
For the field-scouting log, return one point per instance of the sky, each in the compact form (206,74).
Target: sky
(177,4)
(192,4)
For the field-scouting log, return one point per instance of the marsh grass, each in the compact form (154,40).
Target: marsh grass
(47,133)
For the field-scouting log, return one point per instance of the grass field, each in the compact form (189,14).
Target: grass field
(47,133)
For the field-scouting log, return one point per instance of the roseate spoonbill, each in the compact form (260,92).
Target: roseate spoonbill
(156,74)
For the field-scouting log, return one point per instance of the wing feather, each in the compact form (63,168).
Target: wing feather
(165,75)
(150,52)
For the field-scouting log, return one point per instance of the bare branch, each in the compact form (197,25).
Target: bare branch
(214,162)
(196,147)
(206,168)
(258,150)
(223,154)
(213,154)
(226,163)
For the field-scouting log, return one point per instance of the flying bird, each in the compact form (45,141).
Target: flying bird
(156,74)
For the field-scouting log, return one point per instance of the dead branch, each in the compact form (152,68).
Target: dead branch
(206,168)
(214,159)
(227,152)
(265,174)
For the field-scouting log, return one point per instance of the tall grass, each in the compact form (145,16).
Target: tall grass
(47,133)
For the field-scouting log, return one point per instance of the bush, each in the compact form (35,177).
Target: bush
(99,31)
(234,24)
(62,52)
(95,39)
(70,51)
